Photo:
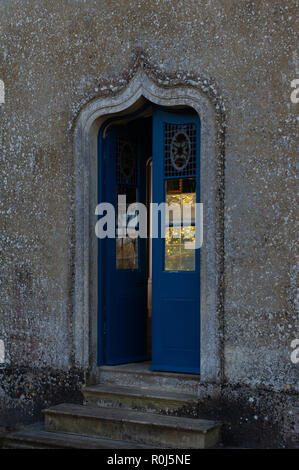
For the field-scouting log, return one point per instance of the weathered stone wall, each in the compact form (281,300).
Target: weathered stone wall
(54,57)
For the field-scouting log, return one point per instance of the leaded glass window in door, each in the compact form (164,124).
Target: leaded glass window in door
(126,185)
(180,192)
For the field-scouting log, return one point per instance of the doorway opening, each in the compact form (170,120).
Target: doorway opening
(149,289)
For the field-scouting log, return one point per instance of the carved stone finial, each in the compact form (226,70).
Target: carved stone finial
(139,56)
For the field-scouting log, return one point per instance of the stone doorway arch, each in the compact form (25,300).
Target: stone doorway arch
(200,95)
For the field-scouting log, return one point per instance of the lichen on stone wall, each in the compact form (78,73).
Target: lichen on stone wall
(57,56)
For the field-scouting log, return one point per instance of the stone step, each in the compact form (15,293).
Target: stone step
(140,399)
(139,375)
(132,426)
(35,437)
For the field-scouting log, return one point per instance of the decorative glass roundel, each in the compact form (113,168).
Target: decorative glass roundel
(127,160)
(180,150)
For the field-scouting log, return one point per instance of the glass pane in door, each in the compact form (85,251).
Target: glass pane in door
(126,247)
(126,178)
(180,229)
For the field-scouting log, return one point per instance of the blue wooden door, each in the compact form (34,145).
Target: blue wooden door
(123,279)
(176,269)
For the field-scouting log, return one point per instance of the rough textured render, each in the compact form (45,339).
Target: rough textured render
(55,58)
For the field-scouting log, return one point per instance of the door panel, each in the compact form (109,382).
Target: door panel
(125,288)
(176,269)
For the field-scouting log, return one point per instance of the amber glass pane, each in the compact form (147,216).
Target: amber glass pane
(181,191)
(126,253)
(126,247)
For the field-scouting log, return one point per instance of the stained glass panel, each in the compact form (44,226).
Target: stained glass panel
(180,149)
(126,168)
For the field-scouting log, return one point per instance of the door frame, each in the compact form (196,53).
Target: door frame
(169,91)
